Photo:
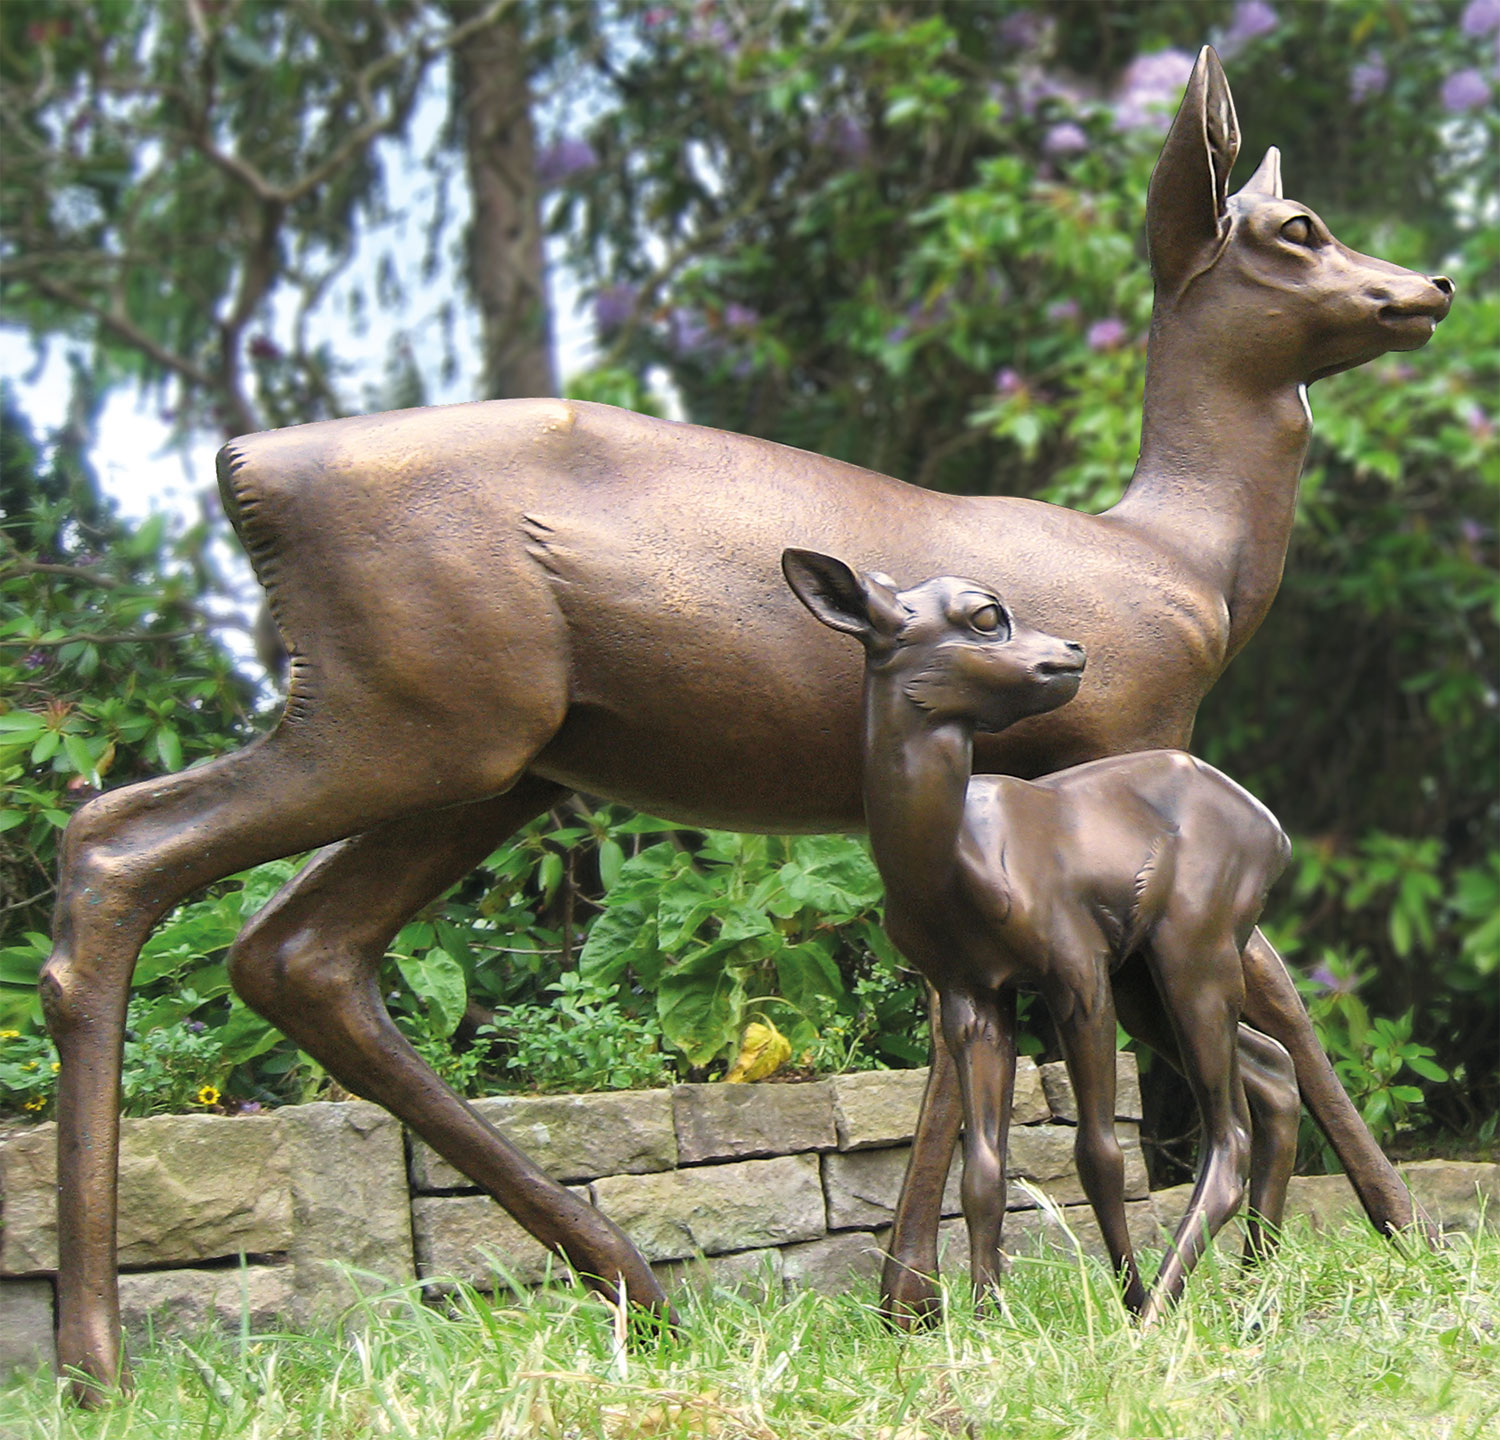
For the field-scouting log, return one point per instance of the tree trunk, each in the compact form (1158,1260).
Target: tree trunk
(506,268)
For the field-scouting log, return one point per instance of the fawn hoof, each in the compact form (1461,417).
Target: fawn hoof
(911,1302)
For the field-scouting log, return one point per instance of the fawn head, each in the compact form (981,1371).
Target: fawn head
(1261,274)
(951,645)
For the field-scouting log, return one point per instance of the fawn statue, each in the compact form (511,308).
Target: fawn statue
(992,882)
(487,606)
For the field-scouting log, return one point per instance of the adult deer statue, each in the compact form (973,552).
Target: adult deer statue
(489,605)
(992,882)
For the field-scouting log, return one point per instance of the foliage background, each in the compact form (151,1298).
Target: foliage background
(907,234)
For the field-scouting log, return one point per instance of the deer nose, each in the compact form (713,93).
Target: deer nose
(1073,646)
(1444,284)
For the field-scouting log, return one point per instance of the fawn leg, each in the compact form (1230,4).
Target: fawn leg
(1202,987)
(980,1031)
(1084,1015)
(1272,1005)
(908,1292)
(310,963)
(1270,1087)
(1270,1082)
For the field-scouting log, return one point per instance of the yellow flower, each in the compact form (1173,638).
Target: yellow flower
(56,1066)
(36,1102)
(208,1095)
(31,1065)
(10,1034)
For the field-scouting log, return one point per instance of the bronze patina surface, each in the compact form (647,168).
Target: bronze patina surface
(994,883)
(487,605)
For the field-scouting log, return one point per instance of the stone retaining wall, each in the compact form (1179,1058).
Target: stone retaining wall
(789,1185)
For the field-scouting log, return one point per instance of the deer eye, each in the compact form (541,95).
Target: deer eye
(1298,230)
(986,619)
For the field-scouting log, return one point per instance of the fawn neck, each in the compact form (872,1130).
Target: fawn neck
(917,770)
(1222,448)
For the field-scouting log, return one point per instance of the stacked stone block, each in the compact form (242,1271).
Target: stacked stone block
(281,1216)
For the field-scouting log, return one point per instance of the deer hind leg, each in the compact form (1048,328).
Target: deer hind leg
(1083,1012)
(908,1282)
(1272,1005)
(310,963)
(1200,982)
(128,857)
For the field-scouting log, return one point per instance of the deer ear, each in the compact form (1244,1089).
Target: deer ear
(839,598)
(829,588)
(1267,177)
(1185,209)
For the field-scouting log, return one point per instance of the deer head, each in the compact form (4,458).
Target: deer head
(1257,266)
(951,646)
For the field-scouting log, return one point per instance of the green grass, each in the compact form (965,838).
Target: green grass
(1339,1336)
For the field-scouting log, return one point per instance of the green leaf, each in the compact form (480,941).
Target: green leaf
(22,724)
(439,979)
(245,1034)
(831,873)
(611,862)
(806,975)
(700,1003)
(169,747)
(79,757)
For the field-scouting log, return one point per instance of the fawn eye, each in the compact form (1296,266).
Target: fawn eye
(986,619)
(1298,230)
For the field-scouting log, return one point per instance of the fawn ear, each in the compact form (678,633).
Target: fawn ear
(839,598)
(1267,177)
(1185,212)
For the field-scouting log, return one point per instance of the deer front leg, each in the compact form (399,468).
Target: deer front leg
(980,1031)
(908,1281)
(1273,1005)
(1084,1014)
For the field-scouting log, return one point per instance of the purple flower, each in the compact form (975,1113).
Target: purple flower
(1036,87)
(1472,531)
(844,136)
(1106,334)
(1024,29)
(1368,78)
(1063,310)
(896,334)
(1465,90)
(1252,19)
(1151,86)
(194,1027)
(34,659)
(1065,139)
(1008,381)
(1480,17)
(614,305)
(1325,976)
(740,317)
(563,159)
(249,1107)
(1480,426)
(686,331)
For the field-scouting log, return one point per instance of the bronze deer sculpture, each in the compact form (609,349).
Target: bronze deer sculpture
(487,606)
(993,883)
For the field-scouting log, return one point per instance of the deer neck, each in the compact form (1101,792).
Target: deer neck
(917,770)
(1221,454)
